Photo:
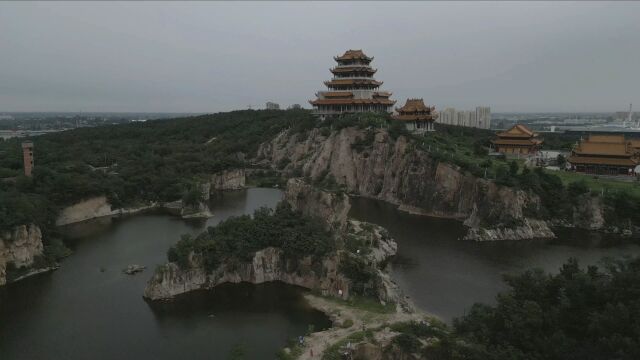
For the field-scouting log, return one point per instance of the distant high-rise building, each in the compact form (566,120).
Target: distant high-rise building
(27,156)
(483,117)
(448,116)
(480,118)
(273,106)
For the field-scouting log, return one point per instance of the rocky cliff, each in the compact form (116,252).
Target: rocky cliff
(269,264)
(19,248)
(332,208)
(396,172)
(95,207)
(228,180)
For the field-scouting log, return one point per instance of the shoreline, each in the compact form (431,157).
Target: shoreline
(348,320)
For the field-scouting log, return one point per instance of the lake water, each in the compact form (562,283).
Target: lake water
(89,309)
(445,276)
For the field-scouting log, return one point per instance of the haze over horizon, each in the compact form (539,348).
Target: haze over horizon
(217,56)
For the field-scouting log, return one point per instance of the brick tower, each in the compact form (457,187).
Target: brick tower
(27,155)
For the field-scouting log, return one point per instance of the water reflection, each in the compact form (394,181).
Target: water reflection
(89,309)
(445,275)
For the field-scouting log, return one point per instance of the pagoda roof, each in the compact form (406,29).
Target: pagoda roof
(351,101)
(335,82)
(521,142)
(587,147)
(590,160)
(422,117)
(384,94)
(635,143)
(338,94)
(352,69)
(353,55)
(518,131)
(413,106)
(596,138)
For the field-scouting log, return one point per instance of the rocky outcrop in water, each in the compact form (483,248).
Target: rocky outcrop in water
(19,248)
(270,264)
(267,265)
(396,172)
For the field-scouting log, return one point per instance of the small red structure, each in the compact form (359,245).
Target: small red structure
(27,155)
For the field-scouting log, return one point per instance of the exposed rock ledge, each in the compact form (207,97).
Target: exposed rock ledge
(269,264)
(20,248)
(530,229)
(99,206)
(395,171)
(93,208)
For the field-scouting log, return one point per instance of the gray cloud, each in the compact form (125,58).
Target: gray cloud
(215,56)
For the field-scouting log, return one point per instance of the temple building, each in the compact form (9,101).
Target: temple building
(518,140)
(352,88)
(605,154)
(417,116)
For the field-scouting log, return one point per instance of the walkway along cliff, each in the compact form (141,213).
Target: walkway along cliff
(395,171)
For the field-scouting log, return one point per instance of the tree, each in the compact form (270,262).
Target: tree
(561,160)
(578,313)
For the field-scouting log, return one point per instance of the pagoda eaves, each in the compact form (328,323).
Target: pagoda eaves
(352,88)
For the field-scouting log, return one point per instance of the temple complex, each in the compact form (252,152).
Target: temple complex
(518,140)
(352,88)
(605,154)
(417,116)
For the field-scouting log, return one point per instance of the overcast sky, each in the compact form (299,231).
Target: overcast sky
(218,56)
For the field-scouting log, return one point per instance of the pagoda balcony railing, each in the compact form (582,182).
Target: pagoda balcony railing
(352,78)
(357,93)
(338,112)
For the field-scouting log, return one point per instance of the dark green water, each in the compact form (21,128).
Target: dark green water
(445,276)
(82,312)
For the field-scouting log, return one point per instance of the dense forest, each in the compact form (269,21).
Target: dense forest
(236,239)
(160,161)
(130,163)
(591,313)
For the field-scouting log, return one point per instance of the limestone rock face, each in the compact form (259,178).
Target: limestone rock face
(530,229)
(228,180)
(267,265)
(88,209)
(589,212)
(330,207)
(93,208)
(19,247)
(270,264)
(396,172)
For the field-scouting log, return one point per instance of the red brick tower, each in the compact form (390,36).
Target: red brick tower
(27,154)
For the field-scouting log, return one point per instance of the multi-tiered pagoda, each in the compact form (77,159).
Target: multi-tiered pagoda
(352,88)
(417,116)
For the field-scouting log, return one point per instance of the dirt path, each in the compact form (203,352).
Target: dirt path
(317,342)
